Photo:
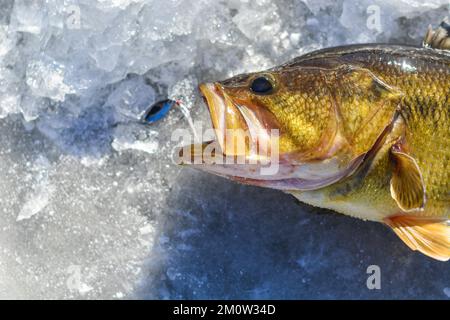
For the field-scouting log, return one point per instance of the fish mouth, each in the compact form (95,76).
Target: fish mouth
(215,101)
(230,126)
(242,129)
(238,137)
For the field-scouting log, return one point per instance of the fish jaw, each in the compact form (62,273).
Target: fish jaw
(242,145)
(215,101)
(228,122)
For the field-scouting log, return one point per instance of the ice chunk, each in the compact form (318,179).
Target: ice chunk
(130,138)
(377,17)
(131,98)
(39,198)
(35,202)
(6,43)
(29,16)
(10,103)
(184,90)
(262,25)
(45,78)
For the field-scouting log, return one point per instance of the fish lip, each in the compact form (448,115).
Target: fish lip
(226,116)
(220,106)
(214,99)
(195,153)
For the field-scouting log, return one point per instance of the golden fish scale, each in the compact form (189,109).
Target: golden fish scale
(304,126)
(424,106)
(426,109)
(364,108)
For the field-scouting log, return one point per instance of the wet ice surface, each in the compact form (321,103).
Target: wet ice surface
(92,206)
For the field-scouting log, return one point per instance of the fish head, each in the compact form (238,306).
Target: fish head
(295,103)
(288,116)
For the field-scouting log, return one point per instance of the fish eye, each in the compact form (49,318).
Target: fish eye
(261,85)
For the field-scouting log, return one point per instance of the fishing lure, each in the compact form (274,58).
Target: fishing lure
(158,110)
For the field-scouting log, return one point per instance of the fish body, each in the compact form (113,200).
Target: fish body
(361,129)
(421,78)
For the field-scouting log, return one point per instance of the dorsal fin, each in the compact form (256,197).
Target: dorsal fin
(439,38)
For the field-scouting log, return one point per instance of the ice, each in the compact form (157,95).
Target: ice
(39,198)
(34,203)
(143,140)
(357,13)
(447,292)
(131,99)
(91,204)
(45,78)
(264,24)
(28,16)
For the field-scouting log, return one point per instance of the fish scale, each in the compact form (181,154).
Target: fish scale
(423,78)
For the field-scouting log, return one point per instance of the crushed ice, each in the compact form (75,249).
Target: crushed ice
(83,184)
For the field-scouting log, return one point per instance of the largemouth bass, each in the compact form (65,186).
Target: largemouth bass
(361,129)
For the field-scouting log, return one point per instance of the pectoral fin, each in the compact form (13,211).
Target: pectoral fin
(407,186)
(431,237)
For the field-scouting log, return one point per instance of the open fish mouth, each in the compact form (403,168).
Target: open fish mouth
(214,98)
(230,125)
(238,133)
(241,146)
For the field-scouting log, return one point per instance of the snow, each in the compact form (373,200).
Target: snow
(38,199)
(92,205)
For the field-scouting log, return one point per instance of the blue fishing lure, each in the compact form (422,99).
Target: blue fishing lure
(158,111)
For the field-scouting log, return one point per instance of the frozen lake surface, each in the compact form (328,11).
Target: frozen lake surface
(92,205)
